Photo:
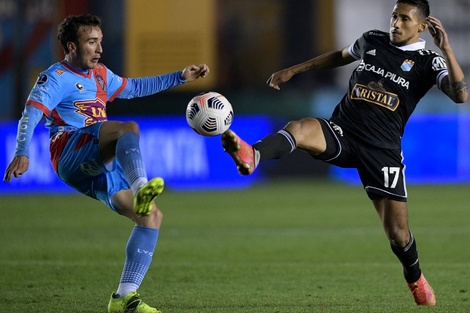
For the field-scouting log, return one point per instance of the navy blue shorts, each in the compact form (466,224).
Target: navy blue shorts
(81,166)
(381,171)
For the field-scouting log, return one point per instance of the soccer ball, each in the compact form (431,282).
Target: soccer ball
(209,114)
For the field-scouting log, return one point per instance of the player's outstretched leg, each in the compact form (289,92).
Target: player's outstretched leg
(242,153)
(129,303)
(146,194)
(422,292)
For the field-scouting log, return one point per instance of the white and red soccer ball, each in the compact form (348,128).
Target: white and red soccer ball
(209,114)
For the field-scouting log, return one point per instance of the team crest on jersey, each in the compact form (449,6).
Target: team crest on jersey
(80,87)
(407,65)
(101,82)
(59,71)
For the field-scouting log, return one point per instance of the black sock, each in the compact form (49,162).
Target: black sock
(275,146)
(408,257)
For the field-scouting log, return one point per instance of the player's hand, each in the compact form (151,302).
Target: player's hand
(193,72)
(438,33)
(17,167)
(279,78)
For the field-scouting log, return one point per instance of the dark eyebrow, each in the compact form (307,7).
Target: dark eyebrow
(92,38)
(401,14)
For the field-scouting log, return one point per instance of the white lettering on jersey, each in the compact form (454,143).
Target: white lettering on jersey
(398,79)
(380,71)
(426,52)
(22,128)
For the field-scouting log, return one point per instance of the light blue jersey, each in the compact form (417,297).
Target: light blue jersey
(75,99)
(72,99)
(74,105)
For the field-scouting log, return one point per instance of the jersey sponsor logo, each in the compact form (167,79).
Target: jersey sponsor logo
(372,52)
(93,110)
(407,65)
(42,79)
(376,94)
(386,74)
(439,64)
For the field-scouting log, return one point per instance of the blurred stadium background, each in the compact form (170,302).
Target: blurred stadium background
(243,42)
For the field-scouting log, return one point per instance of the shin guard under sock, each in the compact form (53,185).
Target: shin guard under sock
(129,157)
(408,257)
(276,145)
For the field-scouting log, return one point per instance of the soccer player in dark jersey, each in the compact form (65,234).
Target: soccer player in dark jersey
(97,157)
(364,132)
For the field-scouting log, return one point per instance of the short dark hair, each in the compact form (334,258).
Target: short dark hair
(422,5)
(68,29)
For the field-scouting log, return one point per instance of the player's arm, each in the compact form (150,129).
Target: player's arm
(146,86)
(454,84)
(20,163)
(327,60)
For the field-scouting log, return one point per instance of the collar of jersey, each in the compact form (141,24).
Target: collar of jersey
(421,44)
(75,69)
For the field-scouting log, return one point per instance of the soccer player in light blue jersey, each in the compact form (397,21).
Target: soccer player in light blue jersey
(97,157)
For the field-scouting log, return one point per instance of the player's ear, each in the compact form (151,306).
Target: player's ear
(71,46)
(423,26)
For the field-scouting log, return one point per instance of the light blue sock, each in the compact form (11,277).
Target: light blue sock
(129,156)
(139,252)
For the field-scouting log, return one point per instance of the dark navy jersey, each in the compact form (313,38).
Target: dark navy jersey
(386,87)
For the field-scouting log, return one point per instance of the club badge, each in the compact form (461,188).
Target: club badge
(407,65)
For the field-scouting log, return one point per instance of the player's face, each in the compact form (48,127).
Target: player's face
(88,52)
(406,24)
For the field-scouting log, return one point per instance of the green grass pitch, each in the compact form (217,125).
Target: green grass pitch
(295,246)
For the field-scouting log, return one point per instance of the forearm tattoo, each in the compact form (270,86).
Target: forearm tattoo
(455,90)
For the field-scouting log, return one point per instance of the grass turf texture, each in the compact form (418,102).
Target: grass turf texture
(279,247)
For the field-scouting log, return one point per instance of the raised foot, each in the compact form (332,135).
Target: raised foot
(241,152)
(144,197)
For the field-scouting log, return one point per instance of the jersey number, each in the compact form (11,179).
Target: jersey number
(389,174)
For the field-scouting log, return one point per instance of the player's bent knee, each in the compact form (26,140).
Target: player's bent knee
(304,130)
(153,220)
(130,127)
(304,126)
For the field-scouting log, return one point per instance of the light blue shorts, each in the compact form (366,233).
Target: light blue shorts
(81,166)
